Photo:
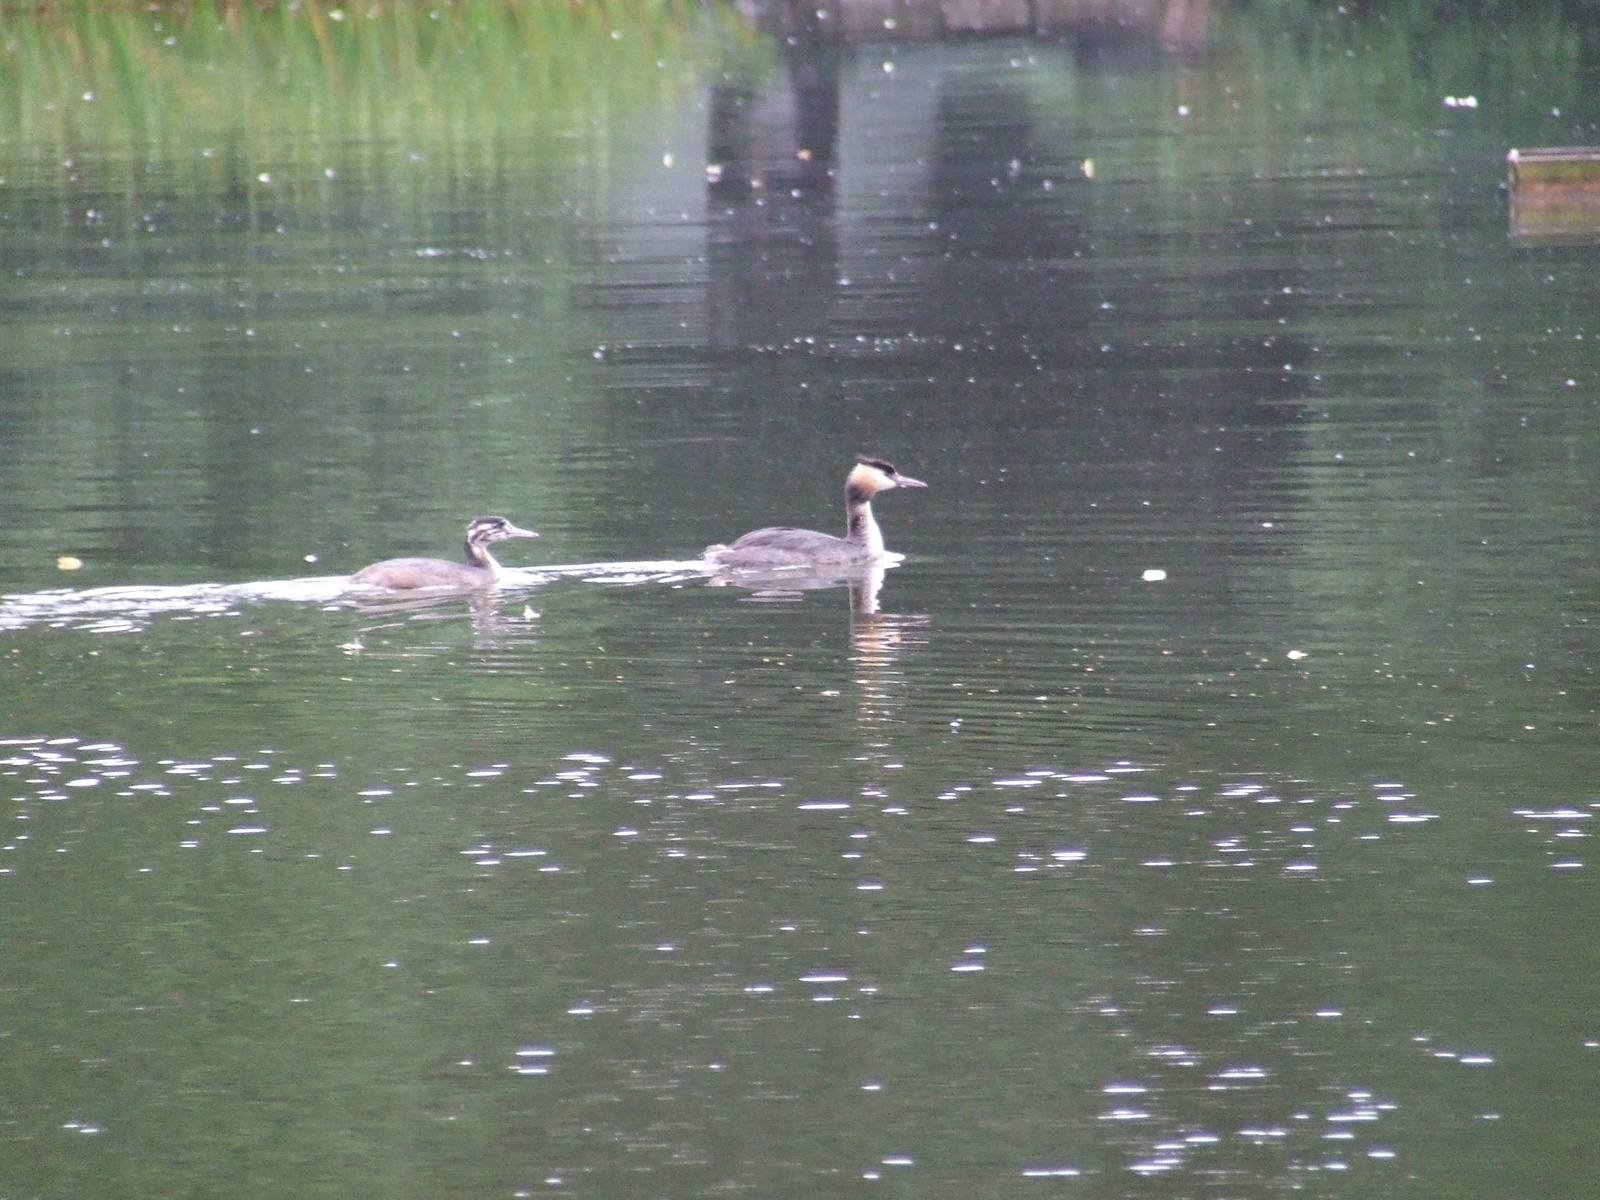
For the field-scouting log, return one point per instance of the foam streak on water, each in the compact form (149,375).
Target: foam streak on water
(129,609)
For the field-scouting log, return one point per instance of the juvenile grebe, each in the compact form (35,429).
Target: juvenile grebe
(479,571)
(861,544)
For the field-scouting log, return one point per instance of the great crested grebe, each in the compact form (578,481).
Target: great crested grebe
(862,543)
(479,571)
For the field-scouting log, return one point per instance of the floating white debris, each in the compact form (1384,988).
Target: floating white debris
(1155,1166)
(1153,575)
(1237,1073)
(1557,814)
(1295,655)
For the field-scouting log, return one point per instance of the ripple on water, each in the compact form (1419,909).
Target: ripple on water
(120,610)
(1073,816)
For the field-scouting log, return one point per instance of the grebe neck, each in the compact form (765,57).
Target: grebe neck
(862,528)
(478,556)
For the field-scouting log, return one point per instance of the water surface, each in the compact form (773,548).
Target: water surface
(1201,808)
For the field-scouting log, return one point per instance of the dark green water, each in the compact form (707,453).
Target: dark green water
(1047,878)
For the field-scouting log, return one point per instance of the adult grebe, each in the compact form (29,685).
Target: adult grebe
(479,571)
(861,544)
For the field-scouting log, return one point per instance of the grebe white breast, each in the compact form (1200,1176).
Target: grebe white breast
(480,570)
(780,546)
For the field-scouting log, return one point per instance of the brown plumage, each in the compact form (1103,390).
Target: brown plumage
(480,570)
(781,546)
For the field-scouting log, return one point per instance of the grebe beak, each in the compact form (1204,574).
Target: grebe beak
(906,481)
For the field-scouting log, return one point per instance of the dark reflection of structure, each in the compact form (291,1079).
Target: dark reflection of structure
(772,162)
(778,138)
(1200,421)
(1178,25)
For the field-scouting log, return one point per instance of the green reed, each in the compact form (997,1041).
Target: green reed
(285,89)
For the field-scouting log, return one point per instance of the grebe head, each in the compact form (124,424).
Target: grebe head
(484,530)
(873,475)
